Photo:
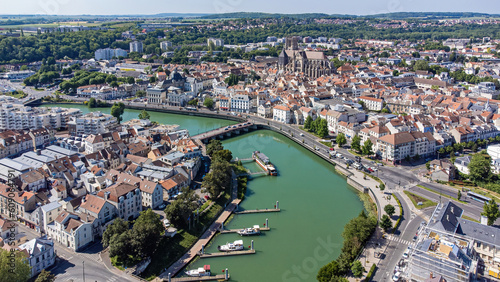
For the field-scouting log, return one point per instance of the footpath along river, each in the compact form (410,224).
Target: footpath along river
(316,204)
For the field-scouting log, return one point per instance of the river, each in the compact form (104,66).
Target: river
(316,204)
(195,125)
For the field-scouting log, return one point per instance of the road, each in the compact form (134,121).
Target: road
(32,93)
(70,266)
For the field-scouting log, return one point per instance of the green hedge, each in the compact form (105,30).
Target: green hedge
(398,222)
(370,274)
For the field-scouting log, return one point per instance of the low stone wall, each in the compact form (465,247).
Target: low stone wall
(186,112)
(356,185)
(342,170)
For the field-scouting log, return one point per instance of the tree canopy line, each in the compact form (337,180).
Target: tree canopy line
(83,44)
(355,235)
(217,182)
(132,244)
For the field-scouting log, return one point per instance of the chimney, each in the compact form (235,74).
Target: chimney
(84,199)
(25,199)
(38,152)
(431,275)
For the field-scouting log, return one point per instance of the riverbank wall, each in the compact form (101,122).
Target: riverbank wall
(204,114)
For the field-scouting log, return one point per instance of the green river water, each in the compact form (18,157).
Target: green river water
(315,205)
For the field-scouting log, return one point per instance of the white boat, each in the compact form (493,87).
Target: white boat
(255,230)
(201,271)
(230,247)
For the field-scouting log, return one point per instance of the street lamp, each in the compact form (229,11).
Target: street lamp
(83,262)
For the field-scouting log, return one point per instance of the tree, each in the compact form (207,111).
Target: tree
(386,223)
(308,122)
(390,210)
(144,115)
(117,111)
(428,165)
(181,208)
(117,227)
(367,147)
(479,168)
(222,155)
(357,269)
(421,65)
(326,272)
(218,179)
(146,233)
(22,271)
(130,80)
(45,276)
(140,94)
(459,195)
(474,147)
(382,187)
(193,102)
(92,103)
(322,128)
(356,143)
(341,139)
(209,103)
(120,245)
(214,146)
(490,210)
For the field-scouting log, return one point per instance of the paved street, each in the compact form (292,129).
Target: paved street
(70,266)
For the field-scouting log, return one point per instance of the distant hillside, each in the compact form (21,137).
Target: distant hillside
(400,15)
(431,15)
(248,15)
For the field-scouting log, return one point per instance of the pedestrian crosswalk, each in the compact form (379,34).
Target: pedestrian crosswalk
(92,257)
(69,278)
(400,240)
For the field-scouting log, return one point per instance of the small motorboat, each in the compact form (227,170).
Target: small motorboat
(201,271)
(230,247)
(255,230)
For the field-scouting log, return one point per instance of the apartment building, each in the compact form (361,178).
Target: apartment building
(40,254)
(108,54)
(455,248)
(91,123)
(126,198)
(371,103)
(136,46)
(72,230)
(282,114)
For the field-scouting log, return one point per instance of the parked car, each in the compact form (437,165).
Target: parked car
(396,276)
(406,253)
(370,169)
(162,206)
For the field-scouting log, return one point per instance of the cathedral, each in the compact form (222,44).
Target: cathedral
(312,63)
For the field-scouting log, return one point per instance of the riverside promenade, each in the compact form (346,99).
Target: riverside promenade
(205,238)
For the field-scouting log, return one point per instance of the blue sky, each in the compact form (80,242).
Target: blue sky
(357,7)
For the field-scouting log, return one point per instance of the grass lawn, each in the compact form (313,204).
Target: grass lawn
(328,144)
(415,199)
(310,132)
(16,95)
